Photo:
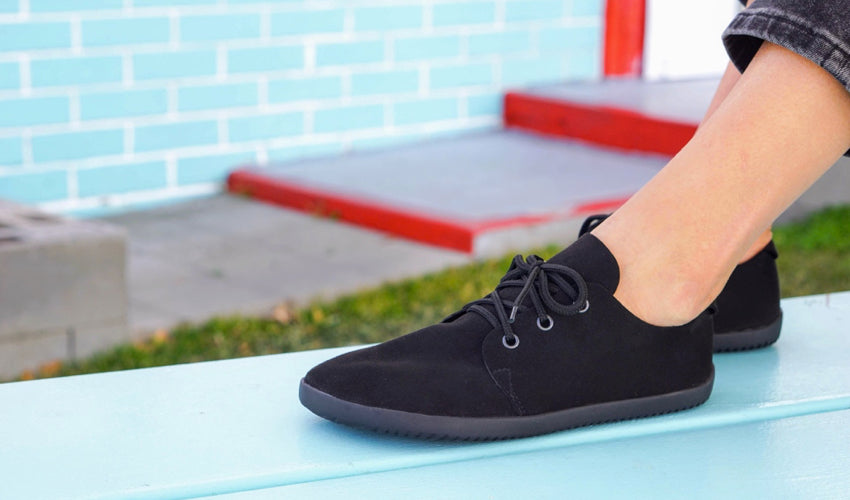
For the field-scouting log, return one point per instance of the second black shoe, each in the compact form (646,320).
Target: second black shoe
(549,349)
(748,314)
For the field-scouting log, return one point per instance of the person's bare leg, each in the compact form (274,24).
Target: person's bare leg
(783,124)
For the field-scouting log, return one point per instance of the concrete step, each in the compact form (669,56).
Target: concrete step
(484,194)
(655,117)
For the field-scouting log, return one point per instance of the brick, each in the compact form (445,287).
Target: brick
(211,168)
(385,82)
(77,5)
(335,54)
(176,135)
(534,10)
(461,75)
(75,71)
(174,64)
(104,32)
(34,187)
(387,18)
(10,77)
(489,104)
(308,22)
(216,96)
(121,178)
(259,127)
(169,3)
(303,151)
(125,103)
(426,47)
(454,14)
(34,36)
(77,145)
(533,71)
(499,43)
(585,65)
(11,151)
(34,111)
(588,7)
(348,118)
(425,110)
(290,89)
(9,6)
(265,59)
(219,27)
(564,39)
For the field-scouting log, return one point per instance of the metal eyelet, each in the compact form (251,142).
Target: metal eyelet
(510,346)
(585,307)
(547,327)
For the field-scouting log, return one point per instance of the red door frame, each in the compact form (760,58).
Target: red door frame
(625,22)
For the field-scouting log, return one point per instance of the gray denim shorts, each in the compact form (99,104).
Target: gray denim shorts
(818,30)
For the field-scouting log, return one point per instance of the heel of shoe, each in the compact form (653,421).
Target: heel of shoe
(752,338)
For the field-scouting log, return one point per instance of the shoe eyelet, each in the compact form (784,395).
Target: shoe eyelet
(585,307)
(547,327)
(510,346)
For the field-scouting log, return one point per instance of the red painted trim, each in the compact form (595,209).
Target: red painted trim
(456,235)
(624,31)
(405,223)
(598,124)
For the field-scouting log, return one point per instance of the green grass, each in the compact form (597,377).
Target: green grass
(815,258)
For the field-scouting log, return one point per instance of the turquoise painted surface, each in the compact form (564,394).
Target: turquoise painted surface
(777,415)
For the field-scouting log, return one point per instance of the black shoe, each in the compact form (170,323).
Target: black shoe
(549,349)
(748,315)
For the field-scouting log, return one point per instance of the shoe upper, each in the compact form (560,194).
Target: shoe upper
(587,349)
(750,298)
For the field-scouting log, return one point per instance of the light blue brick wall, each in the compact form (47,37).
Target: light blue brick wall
(77,145)
(222,27)
(112,101)
(265,59)
(10,76)
(17,36)
(176,135)
(34,111)
(35,187)
(389,17)
(102,32)
(425,110)
(10,151)
(258,127)
(210,168)
(150,66)
(125,178)
(123,103)
(75,71)
(385,82)
(303,89)
(234,95)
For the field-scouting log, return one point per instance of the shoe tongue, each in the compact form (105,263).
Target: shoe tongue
(592,259)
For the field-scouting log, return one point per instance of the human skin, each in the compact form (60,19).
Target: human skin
(780,126)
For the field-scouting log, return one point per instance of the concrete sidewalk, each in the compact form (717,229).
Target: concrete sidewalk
(221,255)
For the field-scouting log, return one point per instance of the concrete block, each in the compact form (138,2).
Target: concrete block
(62,287)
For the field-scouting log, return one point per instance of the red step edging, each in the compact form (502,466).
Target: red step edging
(604,125)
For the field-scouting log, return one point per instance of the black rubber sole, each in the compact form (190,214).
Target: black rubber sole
(487,429)
(748,339)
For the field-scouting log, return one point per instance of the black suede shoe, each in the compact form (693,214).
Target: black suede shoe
(748,314)
(549,349)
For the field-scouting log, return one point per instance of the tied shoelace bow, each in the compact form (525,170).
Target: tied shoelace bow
(536,278)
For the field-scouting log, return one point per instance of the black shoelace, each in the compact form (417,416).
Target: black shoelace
(536,278)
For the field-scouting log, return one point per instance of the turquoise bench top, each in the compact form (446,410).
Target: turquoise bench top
(777,426)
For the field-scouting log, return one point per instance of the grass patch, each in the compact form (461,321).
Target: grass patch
(815,258)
